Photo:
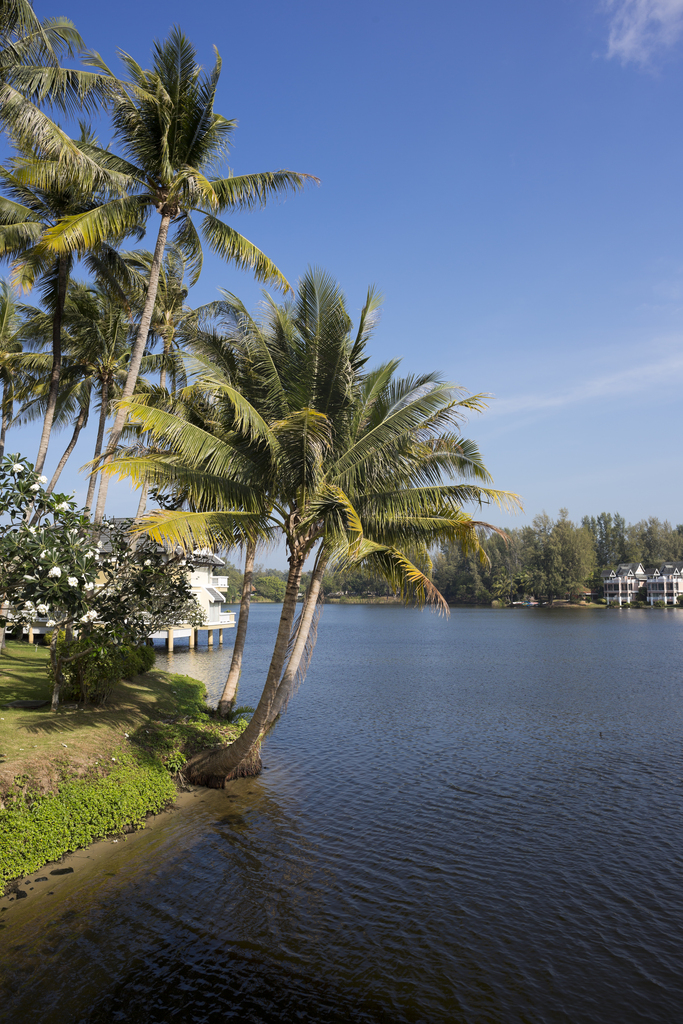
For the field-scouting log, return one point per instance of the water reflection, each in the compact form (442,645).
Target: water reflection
(441,834)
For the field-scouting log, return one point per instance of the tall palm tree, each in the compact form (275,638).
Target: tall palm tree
(96,336)
(343,462)
(173,322)
(38,194)
(171,139)
(11,323)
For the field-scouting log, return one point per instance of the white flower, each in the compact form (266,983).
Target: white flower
(92,615)
(55,571)
(43,609)
(90,554)
(148,561)
(17,468)
(99,543)
(28,604)
(43,554)
(50,622)
(32,530)
(72,581)
(84,618)
(34,487)
(42,479)
(89,586)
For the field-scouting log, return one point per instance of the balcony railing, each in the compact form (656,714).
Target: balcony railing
(219,581)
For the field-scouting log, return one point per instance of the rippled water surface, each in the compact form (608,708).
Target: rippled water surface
(466,820)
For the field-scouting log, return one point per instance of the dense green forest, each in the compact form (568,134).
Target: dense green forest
(551,559)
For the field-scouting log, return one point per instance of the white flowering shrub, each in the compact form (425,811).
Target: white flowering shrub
(52,564)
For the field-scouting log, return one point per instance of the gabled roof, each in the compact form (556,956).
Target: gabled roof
(634,570)
(668,569)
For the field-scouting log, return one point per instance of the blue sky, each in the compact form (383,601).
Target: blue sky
(509,174)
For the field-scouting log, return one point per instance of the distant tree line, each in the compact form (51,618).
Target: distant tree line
(554,558)
(550,560)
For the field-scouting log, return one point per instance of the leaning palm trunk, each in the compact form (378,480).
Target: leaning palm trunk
(80,423)
(214,768)
(302,645)
(55,376)
(142,504)
(7,402)
(135,361)
(92,483)
(230,690)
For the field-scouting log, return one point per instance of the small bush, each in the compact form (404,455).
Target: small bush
(99,664)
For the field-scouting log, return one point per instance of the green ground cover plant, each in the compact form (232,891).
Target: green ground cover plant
(112,797)
(85,772)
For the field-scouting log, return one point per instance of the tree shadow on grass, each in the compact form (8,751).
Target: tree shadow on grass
(40,722)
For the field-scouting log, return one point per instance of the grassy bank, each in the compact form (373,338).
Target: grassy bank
(69,778)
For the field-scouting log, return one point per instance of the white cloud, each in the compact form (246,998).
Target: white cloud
(639,27)
(663,373)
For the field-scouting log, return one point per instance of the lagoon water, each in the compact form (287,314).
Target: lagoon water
(467,820)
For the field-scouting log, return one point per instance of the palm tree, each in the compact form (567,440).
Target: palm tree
(171,139)
(31,77)
(96,337)
(11,323)
(173,322)
(39,193)
(343,462)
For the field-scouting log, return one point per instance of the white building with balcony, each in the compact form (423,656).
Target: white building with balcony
(665,583)
(621,585)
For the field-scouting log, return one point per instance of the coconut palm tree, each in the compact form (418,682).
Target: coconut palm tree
(38,194)
(171,139)
(11,323)
(31,78)
(342,462)
(96,337)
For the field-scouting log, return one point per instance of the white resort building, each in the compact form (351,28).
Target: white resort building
(205,580)
(622,584)
(664,583)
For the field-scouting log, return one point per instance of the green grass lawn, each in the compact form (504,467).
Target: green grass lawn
(158,712)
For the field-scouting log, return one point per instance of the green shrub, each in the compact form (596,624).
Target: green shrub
(92,665)
(33,832)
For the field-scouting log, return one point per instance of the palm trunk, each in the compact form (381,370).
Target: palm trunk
(4,610)
(162,373)
(288,681)
(215,767)
(142,504)
(6,415)
(62,275)
(230,690)
(92,483)
(135,361)
(80,423)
